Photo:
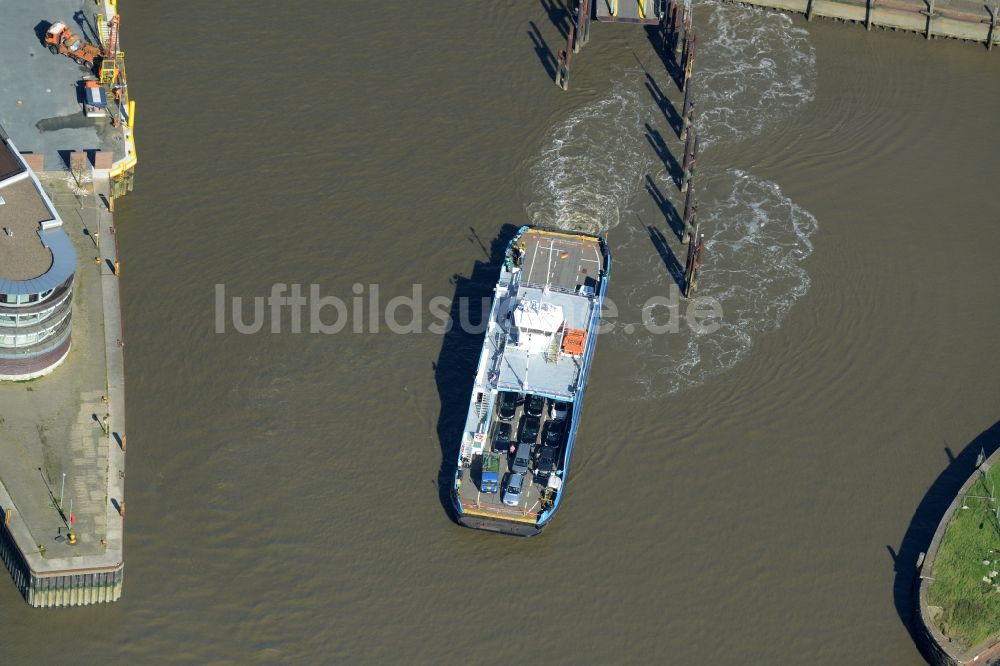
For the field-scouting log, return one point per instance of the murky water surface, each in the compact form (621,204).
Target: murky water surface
(736,497)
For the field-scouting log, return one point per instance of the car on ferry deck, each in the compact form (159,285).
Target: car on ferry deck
(508,406)
(522,458)
(512,490)
(553,434)
(546,465)
(501,438)
(534,404)
(558,410)
(529,429)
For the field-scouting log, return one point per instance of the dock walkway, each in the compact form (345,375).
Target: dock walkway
(955,19)
(54,425)
(71,421)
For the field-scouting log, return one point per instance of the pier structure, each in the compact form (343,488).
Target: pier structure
(677,45)
(62,421)
(583,13)
(673,17)
(955,19)
(678,49)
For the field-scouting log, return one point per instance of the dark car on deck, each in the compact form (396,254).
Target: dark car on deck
(529,429)
(501,437)
(534,404)
(508,405)
(553,434)
(546,464)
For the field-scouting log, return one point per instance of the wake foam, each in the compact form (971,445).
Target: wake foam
(754,69)
(592,167)
(756,240)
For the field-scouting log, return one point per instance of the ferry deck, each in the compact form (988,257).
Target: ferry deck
(560,269)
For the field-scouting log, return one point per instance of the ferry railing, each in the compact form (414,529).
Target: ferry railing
(582,388)
(499,509)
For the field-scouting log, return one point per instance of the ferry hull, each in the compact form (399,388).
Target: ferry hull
(502,526)
(471,508)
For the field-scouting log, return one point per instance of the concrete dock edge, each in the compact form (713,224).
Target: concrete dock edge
(938,648)
(956,20)
(90,579)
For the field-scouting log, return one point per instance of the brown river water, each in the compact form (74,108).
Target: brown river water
(736,497)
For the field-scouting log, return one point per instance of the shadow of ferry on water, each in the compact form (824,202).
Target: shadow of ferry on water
(455,368)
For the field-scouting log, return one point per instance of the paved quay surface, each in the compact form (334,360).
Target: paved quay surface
(52,425)
(40,93)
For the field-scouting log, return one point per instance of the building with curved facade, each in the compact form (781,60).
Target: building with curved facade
(37,266)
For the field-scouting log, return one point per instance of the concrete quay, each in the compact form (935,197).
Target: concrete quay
(939,649)
(956,19)
(55,425)
(62,435)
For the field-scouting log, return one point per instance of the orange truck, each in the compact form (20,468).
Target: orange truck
(61,39)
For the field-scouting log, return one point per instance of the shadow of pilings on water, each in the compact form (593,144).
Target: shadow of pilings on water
(665,105)
(663,152)
(670,261)
(666,207)
(666,54)
(542,50)
(925,522)
(455,369)
(559,14)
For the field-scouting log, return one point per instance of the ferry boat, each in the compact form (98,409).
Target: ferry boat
(527,397)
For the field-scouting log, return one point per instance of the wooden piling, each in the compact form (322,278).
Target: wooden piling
(665,26)
(562,68)
(583,25)
(690,50)
(869,7)
(695,250)
(809,10)
(930,18)
(690,214)
(993,26)
(690,158)
(687,113)
(676,30)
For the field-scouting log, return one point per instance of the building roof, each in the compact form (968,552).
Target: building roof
(22,254)
(10,165)
(35,253)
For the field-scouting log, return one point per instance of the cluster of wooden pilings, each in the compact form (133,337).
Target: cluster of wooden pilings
(577,36)
(679,48)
